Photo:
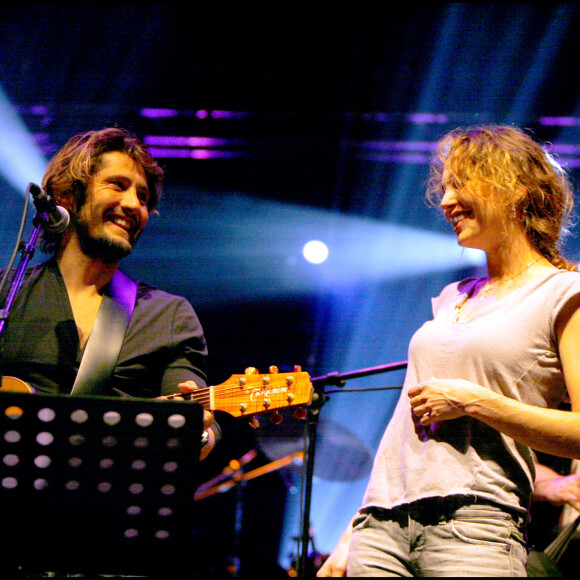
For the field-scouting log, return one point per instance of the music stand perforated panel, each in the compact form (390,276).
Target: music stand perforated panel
(98,484)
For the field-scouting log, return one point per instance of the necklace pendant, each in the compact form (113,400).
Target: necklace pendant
(482,294)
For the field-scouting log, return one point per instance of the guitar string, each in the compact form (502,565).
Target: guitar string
(205,394)
(235,386)
(233,392)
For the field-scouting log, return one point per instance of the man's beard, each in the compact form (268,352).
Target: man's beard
(99,247)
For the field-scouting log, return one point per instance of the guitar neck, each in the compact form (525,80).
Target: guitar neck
(240,395)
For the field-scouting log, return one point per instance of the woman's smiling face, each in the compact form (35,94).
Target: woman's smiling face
(477,224)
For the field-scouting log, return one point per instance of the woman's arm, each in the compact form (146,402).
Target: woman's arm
(547,430)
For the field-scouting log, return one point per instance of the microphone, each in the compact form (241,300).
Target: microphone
(54,218)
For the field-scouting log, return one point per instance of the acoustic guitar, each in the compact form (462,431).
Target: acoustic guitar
(241,395)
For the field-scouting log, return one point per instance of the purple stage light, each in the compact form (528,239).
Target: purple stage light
(564,149)
(412,158)
(172,153)
(560,121)
(211,154)
(153,113)
(228,115)
(177,141)
(400,145)
(425,118)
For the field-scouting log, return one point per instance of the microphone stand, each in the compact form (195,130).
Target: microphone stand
(318,399)
(27,252)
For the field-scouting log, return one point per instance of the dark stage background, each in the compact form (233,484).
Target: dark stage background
(278,126)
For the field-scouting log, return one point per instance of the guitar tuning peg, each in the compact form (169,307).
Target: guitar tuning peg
(251,371)
(276,418)
(254,423)
(273,370)
(300,413)
(297,369)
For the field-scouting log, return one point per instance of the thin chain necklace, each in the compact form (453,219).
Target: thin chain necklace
(486,289)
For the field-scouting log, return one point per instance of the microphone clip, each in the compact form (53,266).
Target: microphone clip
(52,217)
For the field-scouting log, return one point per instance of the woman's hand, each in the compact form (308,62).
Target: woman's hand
(336,564)
(444,399)
(556,489)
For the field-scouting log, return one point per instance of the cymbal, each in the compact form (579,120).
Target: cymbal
(340,455)
(235,477)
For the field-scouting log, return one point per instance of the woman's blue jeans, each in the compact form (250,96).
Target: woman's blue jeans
(474,540)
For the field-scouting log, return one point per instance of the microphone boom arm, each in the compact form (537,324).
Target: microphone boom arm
(318,399)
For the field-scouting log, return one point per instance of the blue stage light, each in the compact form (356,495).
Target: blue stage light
(21,160)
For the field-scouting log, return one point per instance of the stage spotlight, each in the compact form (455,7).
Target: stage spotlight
(315,252)
(21,160)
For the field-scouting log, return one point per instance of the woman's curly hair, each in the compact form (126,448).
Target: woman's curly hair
(507,169)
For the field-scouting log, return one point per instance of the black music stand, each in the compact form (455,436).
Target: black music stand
(98,485)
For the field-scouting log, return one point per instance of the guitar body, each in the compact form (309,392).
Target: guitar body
(15,385)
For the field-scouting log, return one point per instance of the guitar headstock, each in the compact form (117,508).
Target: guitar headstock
(253,393)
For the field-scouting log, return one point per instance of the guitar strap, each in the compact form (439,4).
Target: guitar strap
(104,344)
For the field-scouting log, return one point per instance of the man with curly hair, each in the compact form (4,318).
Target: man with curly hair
(109,183)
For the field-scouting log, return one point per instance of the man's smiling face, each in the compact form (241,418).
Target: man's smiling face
(115,211)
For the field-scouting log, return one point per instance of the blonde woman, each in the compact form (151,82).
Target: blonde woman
(452,479)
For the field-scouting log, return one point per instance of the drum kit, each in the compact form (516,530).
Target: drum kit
(285,448)
(341,456)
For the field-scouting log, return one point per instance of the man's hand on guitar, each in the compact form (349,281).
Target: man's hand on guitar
(189,387)
(186,388)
